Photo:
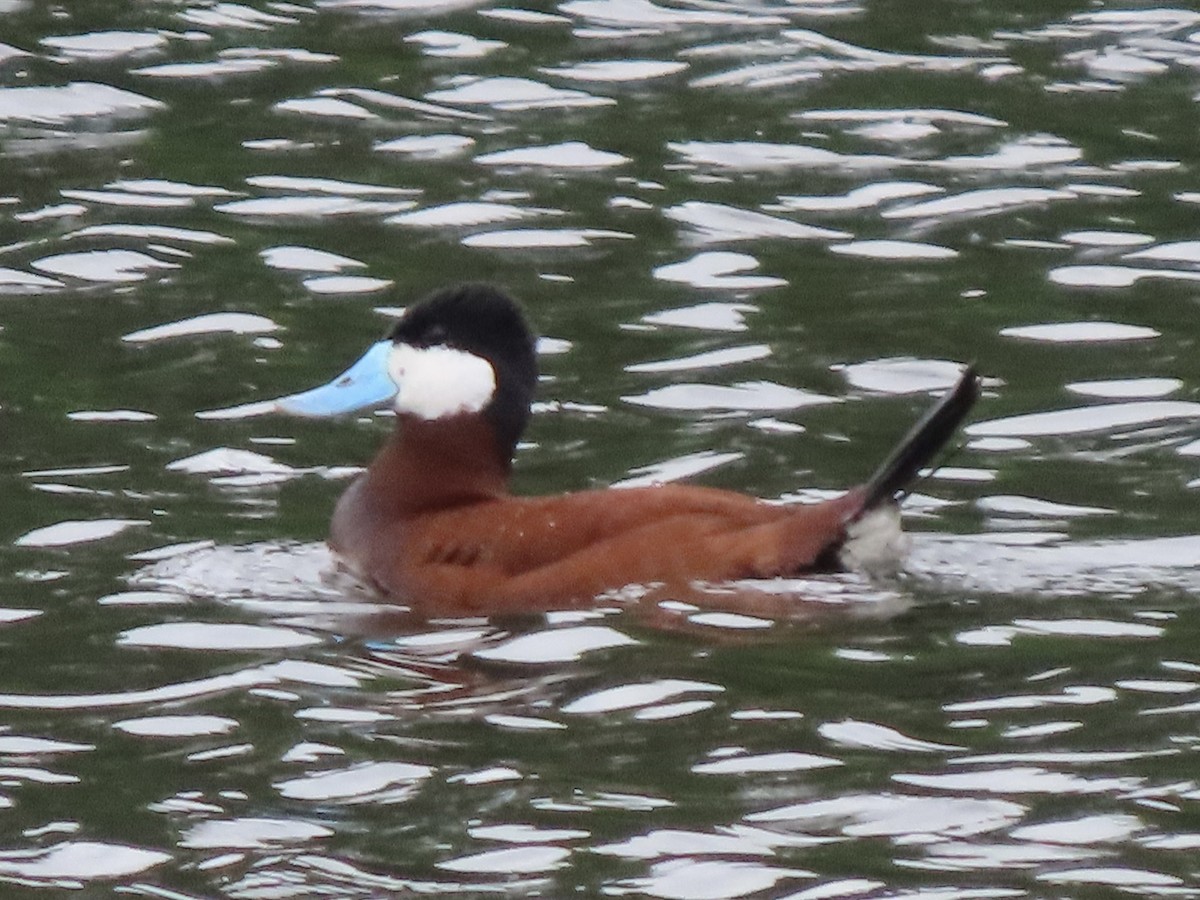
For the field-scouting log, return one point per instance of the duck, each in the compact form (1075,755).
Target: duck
(433,525)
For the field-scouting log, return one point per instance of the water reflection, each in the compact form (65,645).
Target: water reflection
(812,213)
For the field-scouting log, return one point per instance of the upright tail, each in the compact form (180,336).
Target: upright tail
(919,447)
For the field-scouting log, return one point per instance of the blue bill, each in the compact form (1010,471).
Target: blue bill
(366,384)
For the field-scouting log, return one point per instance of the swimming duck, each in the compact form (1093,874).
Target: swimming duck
(432,524)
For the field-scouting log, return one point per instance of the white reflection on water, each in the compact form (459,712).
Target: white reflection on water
(66,534)
(1014,562)
(231,461)
(719,223)
(906,250)
(1107,238)
(233,15)
(176,726)
(128,198)
(104,44)
(557,645)
(74,864)
(766,762)
(859,198)
(688,879)
(1127,388)
(1115,276)
(151,233)
(902,376)
(567,155)
(346,284)
(617,70)
(631,696)
(453,45)
(1113,876)
(111,266)
(17,281)
(464,214)
(307,259)
(984,201)
(714,316)
(510,860)
(251,833)
(315,206)
(645,14)
(260,676)
(215,636)
(1006,505)
(1085,419)
(208,323)
(427,146)
(711,359)
(217,69)
(374,782)
(1019,780)
(1081,332)
(851,733)
(896,815)
(515,95)
(742,397)
(325,107)
(541,238)
(76,100)
(19,745)
(719,270)
(331,186)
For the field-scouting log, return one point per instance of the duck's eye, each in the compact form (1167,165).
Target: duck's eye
(434,335)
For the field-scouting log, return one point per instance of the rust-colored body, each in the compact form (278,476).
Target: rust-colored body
(431,523)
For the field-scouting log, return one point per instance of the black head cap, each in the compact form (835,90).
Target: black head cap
(483,320)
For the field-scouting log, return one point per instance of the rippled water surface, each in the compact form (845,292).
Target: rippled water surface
(755,237)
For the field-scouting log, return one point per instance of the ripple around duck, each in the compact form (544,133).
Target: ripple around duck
(207,636)
(1044,563)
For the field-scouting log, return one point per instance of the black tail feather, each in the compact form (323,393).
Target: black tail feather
(922,443)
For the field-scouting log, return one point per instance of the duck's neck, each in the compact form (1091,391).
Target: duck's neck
(430,465)
(435,464)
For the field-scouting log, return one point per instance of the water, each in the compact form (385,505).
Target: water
(761,233)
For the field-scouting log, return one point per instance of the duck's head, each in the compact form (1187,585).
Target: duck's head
(463,350)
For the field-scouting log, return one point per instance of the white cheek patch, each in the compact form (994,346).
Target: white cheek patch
(434,382)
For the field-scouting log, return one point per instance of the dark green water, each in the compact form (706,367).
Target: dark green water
(715,213)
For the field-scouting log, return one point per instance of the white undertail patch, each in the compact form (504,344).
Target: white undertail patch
(435,382)
(875,542)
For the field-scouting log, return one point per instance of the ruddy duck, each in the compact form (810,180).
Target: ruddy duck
(432,524)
